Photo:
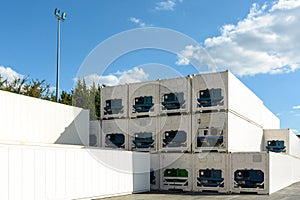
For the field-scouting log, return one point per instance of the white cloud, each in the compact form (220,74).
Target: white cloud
(166,5)
(296,107)
(295,131)
(130,76)
(266,41)
(9,74)
(139,22)
(195,55)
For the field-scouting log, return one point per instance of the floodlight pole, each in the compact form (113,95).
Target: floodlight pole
(60,17)
(57,60)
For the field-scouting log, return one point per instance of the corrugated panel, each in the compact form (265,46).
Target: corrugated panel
(61,172)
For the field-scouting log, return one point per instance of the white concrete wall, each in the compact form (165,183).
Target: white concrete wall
(32,120)
(70,172)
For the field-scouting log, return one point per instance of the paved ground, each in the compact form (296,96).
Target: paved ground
(290,193)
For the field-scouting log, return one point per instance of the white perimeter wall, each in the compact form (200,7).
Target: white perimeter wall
(70,172)
(283,171)
(32,120)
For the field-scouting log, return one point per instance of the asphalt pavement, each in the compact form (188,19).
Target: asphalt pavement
(289,193)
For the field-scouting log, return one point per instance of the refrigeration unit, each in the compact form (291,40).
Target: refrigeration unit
(176,171)
(175,133)
(143,99)
(154,171)
(281,141)
(115,134)
(114,101)
(175,95)
(143,134)
(211,172)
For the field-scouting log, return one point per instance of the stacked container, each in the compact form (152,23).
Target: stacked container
(143,99)
(175,133)
(281,141)
(211,172)
(114,102)
(175,95)
(115,134)
(176,171)
(204,132)
(143,134)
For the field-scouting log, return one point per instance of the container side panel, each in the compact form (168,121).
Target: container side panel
(243,135)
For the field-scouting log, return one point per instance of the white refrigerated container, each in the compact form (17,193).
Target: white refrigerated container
(176,171)
(143,134)
(224,91)
(279,171)
(291,142)
(250,172)
(175,95)
(224,132)
(143,99)
(175,133)
(211,172)
(115,134)
(114,101)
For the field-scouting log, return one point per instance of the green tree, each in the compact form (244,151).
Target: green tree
(80,96)
(87,98)
(37,89)
(66,98)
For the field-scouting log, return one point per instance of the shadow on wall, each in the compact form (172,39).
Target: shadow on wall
(77,133)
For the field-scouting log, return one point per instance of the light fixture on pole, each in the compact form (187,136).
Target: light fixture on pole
(60,17)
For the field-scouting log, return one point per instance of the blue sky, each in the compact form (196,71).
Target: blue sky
(257,40)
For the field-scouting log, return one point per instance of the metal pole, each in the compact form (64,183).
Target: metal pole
(58,60)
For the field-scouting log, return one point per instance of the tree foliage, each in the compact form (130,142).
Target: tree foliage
(87,98)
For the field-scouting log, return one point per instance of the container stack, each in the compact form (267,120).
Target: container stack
(205,132)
